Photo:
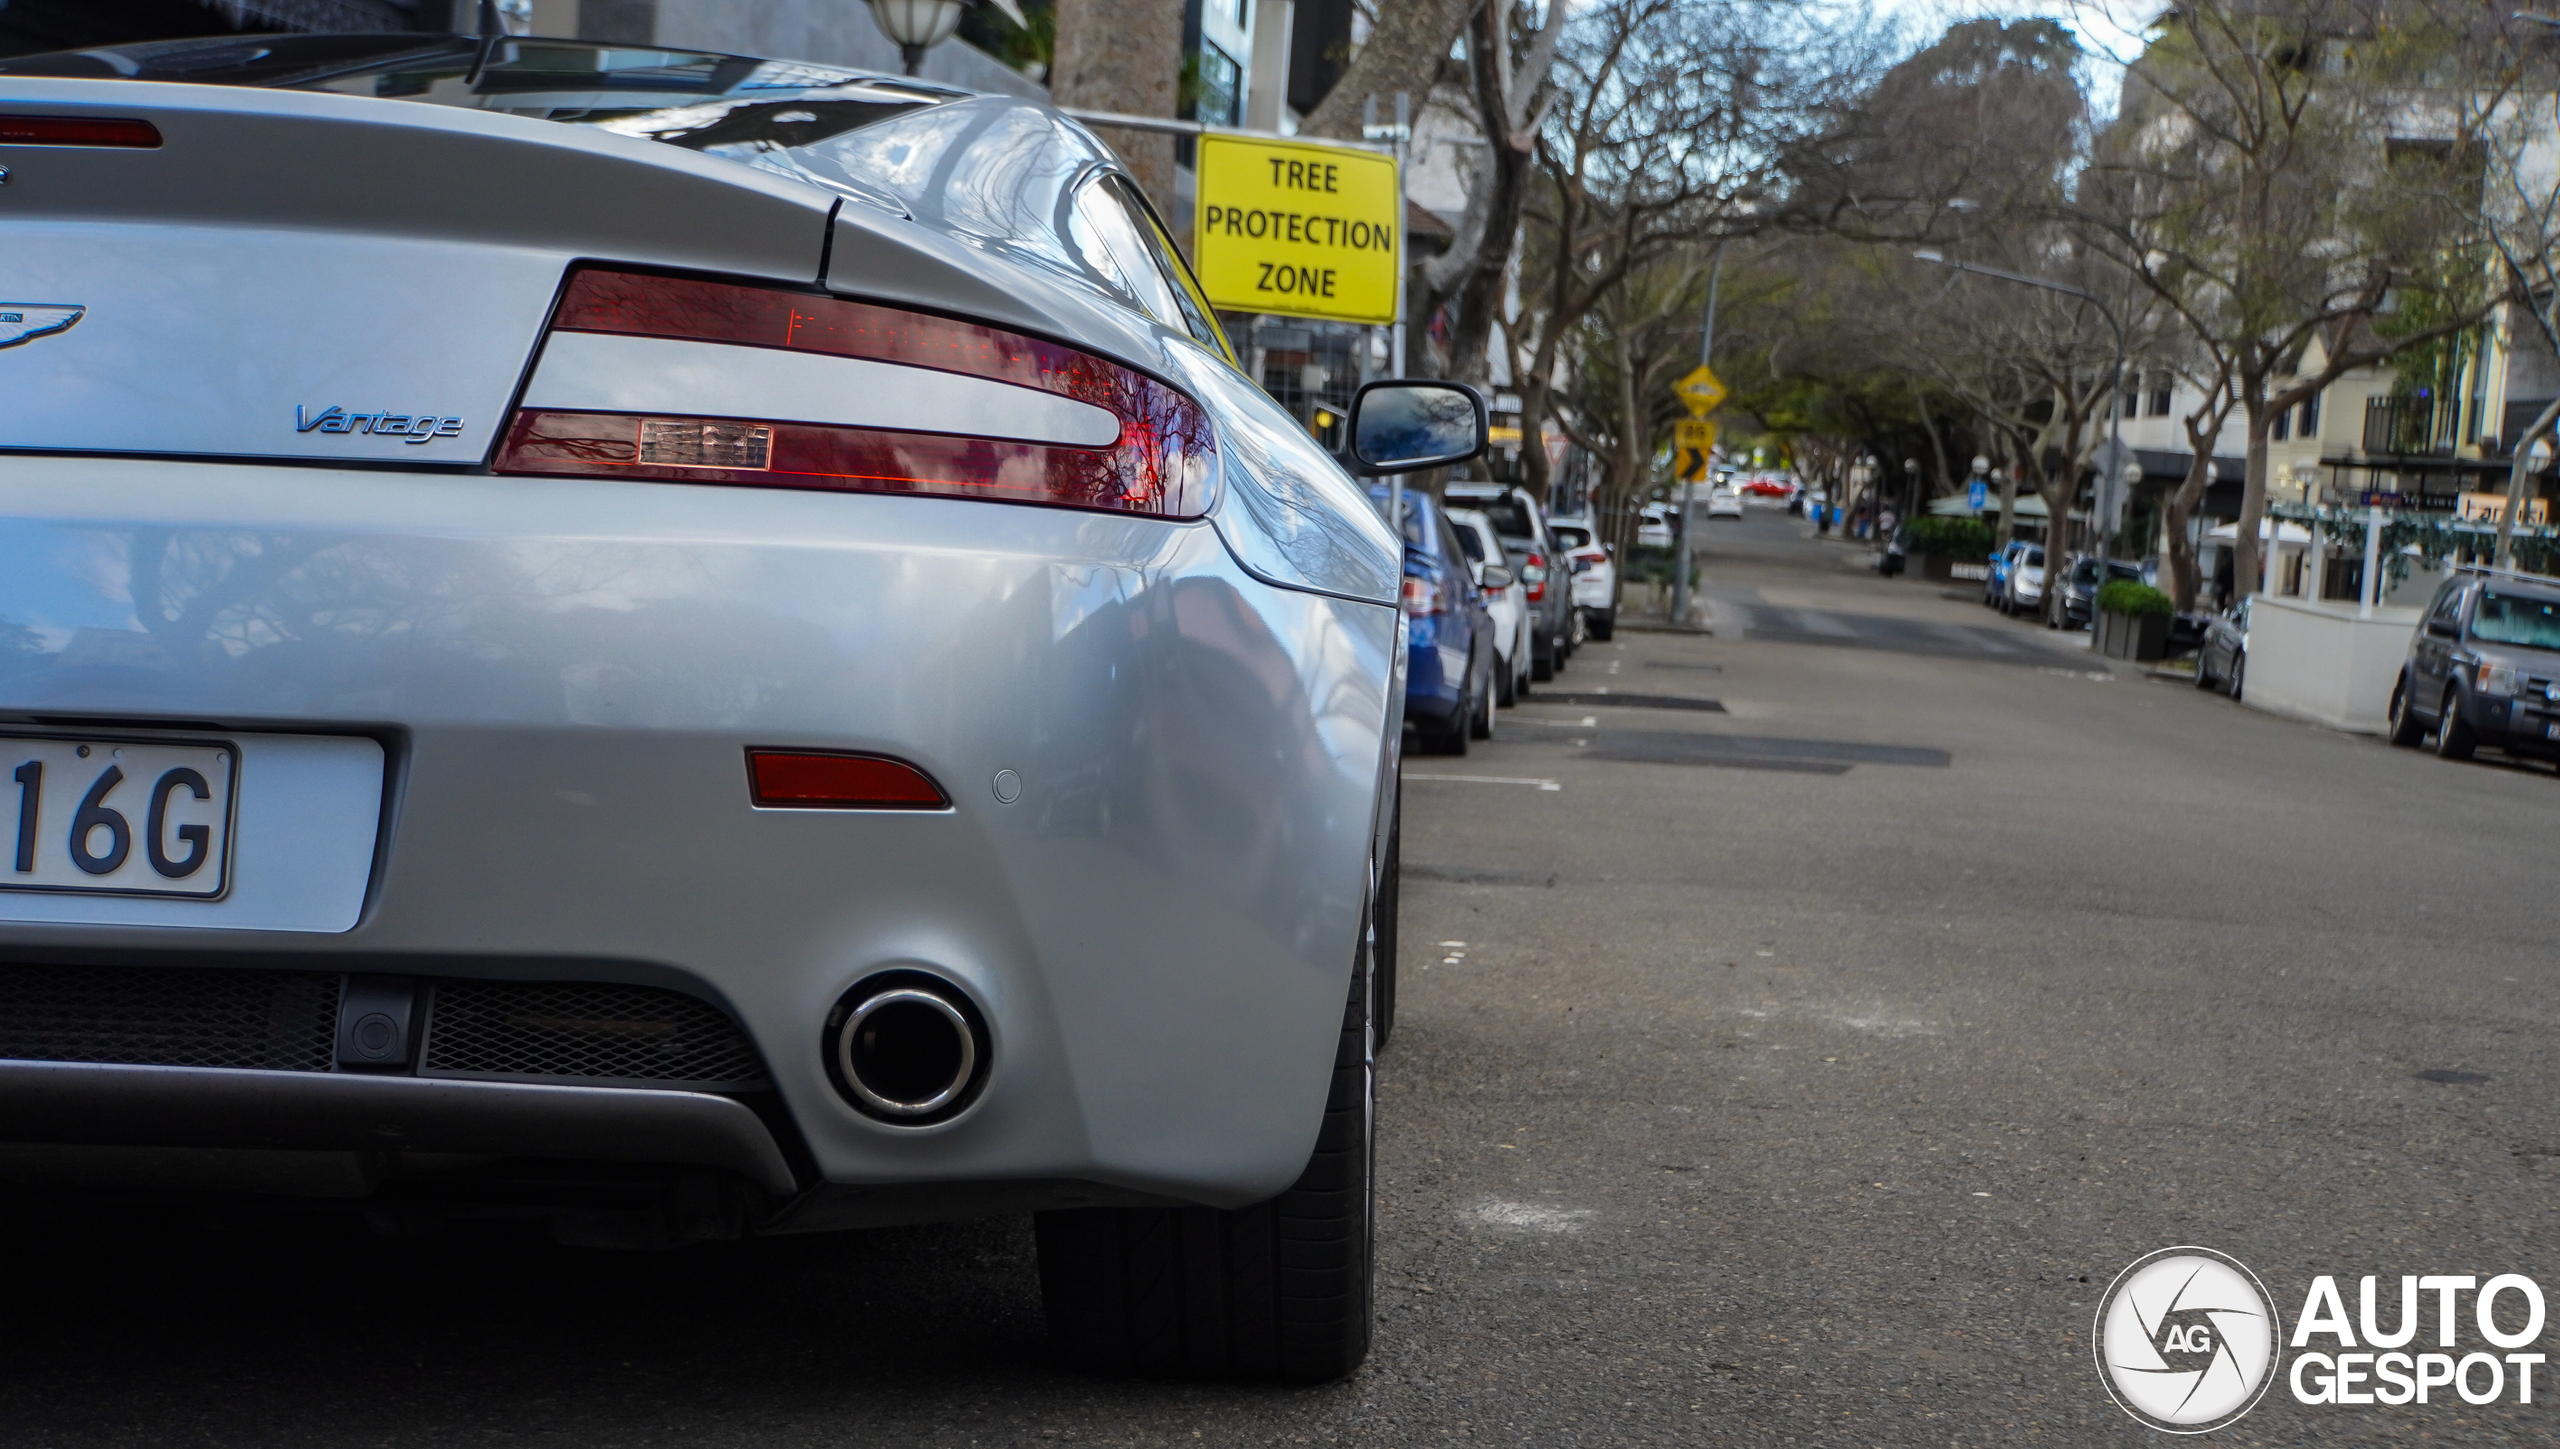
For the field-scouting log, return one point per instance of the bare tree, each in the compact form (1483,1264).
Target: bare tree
(1672,125)
(2248,183)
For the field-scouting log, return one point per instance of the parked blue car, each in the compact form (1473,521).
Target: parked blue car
(1448,691)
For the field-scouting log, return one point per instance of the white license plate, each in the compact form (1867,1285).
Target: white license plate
(109,816)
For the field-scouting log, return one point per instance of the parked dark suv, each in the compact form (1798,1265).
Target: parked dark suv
(2484,668)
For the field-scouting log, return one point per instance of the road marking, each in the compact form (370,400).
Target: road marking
(1534,1217)
(1489,780)
(1588,721)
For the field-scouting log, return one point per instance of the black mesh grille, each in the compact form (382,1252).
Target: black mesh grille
(143,1016)
(573,1031)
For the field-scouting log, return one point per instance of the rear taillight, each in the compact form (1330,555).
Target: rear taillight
(77,131)
(765,387)
(1533,572)
(1420,598)
(815,780)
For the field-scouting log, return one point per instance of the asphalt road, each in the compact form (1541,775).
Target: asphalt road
(1795,1073)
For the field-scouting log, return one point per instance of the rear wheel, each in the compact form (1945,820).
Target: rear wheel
(1541,668)
(1604,624)
(1506,684)
(2406,728)
(2239,672)
(1480,722)
(1277,1291)
(2454,740)
(2204,669)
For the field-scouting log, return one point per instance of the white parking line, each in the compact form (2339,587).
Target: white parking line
(1489,780)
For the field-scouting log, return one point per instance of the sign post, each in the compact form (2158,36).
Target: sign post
(1299,228)
(1695,439)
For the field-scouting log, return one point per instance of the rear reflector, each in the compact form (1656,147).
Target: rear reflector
(76,131)
(791,780)
(1159,463)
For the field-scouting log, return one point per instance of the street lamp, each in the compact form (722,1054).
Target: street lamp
(917,26)
(2115,388)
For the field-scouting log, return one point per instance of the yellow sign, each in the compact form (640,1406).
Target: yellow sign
(1298,228)
(1695,445)
(1701,390)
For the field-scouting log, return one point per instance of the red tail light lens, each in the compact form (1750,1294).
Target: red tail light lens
(784,779)
(1420,599)
(77,131)
(1533,572)
(1161,463)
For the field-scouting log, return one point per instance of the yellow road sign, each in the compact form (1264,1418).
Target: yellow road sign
(1701,390)
(1694,442)
(1298,228)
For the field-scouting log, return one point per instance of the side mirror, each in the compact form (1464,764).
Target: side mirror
(2442,630)
(1497,577)
(1400,426)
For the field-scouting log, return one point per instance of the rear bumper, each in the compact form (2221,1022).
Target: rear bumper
(128,1106)
(567,675)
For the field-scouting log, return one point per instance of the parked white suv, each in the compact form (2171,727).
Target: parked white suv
(1595,574)
(1505,598)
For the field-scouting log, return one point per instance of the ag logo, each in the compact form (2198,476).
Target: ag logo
(2186,1340)
(27,321)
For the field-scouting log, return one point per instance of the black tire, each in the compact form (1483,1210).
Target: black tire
(1506,684)
(1604,625)
(2406,729)
(1541,669)
(1454,740)
(2454,740)
(1278,1291)
(2204,670)
(2239,672)
(1480,719)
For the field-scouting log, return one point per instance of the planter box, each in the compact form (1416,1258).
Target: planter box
(2141,638)
(2325,662)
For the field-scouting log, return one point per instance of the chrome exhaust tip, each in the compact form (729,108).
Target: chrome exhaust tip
(907,1048)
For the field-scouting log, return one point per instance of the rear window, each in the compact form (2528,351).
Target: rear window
(1572,537)
(1509,517)
(696,99)
(2521,619)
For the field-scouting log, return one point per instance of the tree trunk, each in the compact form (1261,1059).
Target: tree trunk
(1403,53)
(1126,56)
(2247,566)
(2185,579)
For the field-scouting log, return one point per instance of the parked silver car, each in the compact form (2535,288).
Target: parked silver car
(687,645)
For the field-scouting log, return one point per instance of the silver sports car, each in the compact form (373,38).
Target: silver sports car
(680,645)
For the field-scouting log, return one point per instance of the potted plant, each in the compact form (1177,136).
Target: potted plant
(2133,621)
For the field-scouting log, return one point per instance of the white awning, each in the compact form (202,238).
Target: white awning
(2287,533)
